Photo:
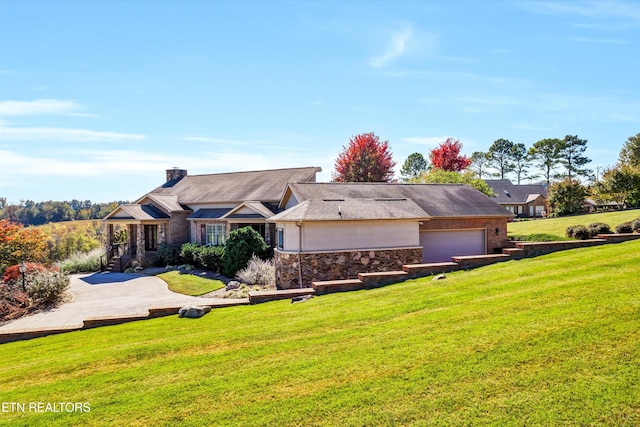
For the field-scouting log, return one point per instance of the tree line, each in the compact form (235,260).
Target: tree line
(28,212)
(559,164)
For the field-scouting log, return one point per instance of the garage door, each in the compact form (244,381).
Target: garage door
(440,246)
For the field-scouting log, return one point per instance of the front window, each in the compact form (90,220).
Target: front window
(216,234)
(280,242)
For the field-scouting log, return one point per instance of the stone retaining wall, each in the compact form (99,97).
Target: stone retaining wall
(320,266)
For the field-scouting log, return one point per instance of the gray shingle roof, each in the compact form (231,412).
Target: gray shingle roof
(509,193)
(236,187)
(209,213)
(137,212)
(352,209)
(436,200)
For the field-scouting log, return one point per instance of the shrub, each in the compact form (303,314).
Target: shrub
(167,255)
(83,262)
(189,253)
(635,224)
(625,227)
(13,302)
(258,272)
(578,232)
(210,257)
(239,247)
(12,275)
(599,228)
(46,288)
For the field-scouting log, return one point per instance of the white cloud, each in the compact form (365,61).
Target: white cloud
(38,106)
(64,134)
(397,47)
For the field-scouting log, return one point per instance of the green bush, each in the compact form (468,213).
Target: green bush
(635,224)
(599,228)
(578,232)
(46,288)
(83,262)
(258,272)
(239,247)
(189,253)
(210,257)
(167,255)
(625,227)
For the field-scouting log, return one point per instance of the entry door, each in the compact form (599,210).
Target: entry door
(440,246)
(150,237)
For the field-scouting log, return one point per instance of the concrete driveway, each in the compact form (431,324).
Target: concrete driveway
(108,295)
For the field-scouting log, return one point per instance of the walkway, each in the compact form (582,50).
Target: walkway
(109,295)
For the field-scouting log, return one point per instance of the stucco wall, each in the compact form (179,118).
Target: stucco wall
(496,229)
(337,265)
(336,235)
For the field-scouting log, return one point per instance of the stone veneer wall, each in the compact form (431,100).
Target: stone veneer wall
(338,265)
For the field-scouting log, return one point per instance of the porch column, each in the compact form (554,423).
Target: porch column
(108,243)
(161,234)
(140,243)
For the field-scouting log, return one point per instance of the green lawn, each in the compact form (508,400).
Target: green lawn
(558,226)
(545,341)
(189,284)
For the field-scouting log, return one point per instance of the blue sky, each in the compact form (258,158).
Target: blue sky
(98,98)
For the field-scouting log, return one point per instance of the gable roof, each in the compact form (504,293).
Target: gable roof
(137,212)
(509,193)
(235,187)
(352,209)
(436,200)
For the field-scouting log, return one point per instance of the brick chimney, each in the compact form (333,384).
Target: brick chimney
(175,174)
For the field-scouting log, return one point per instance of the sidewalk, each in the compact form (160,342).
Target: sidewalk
(108,297)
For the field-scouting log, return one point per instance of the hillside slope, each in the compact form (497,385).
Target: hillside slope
(547,341)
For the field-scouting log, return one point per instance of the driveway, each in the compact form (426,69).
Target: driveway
(106,295)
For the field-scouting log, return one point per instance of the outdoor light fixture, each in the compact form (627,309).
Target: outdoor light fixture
(23,269)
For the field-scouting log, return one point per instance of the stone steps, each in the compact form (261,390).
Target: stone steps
(258,297)
(331,286)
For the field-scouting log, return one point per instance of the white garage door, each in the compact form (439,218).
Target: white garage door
(440,246)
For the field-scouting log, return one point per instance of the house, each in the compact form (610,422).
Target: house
(526,201)
(200,209)
(329,231)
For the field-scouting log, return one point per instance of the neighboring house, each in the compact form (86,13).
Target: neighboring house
(200,209)
(524,201)
(591,205)
(329,231)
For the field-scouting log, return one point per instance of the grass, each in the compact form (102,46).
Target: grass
(558,226)
(188,284)
(552,340)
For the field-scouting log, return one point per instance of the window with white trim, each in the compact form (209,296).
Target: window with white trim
(216,234)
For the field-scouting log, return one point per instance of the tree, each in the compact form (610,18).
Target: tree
(572,158)
(621,185)
(566,197)
(521,161)
(447,156)
(413,166)
(630,153)
(500,155)
(365,159)
(479,163)
(546,154)
(439,176)
(19,244)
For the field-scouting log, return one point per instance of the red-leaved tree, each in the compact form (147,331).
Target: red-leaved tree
(448,158)
(365,159)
